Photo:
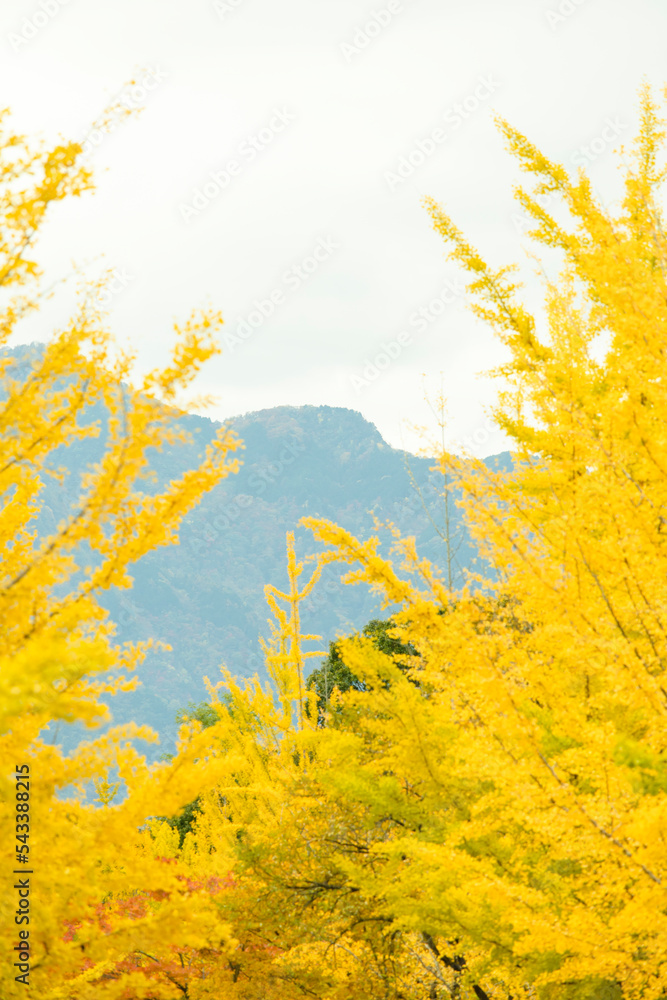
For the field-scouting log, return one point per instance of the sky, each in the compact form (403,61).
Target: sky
(277,168)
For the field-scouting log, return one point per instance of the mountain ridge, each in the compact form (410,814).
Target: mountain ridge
(205,596)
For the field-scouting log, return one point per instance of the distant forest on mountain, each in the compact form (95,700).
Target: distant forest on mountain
(205,597)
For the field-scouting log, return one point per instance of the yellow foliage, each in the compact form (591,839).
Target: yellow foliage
(83,864)
(486,821)
(492,820)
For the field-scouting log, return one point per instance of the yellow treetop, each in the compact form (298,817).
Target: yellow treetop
(491,821)
(57,656)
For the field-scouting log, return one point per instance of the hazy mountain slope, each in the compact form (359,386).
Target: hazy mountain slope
(205,596)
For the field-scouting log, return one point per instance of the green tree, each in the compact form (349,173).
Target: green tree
(334,674)
(205,713)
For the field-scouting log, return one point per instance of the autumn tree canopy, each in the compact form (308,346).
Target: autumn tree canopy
(499,826)
(57,655)
(483,815)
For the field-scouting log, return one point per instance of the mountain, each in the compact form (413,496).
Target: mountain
(205,596)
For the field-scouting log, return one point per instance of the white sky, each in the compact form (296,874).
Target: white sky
(221,75)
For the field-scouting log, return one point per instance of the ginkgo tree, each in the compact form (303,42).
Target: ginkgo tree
(498,828)
(57,653)
(530,786)
(268,820)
